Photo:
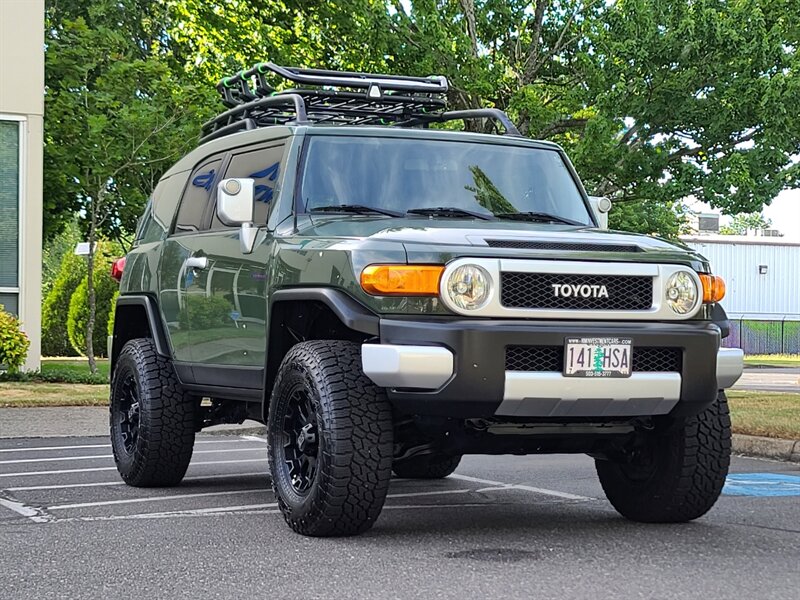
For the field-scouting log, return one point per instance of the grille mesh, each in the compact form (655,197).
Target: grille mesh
(535,290)
(551,358)
(568,246)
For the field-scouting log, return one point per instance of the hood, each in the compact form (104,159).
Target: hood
(423,237)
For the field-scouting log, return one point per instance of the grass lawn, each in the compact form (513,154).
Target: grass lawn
(76,366)
(772,360)
(771,414)
(18,394)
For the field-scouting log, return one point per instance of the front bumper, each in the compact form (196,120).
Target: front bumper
(456,368)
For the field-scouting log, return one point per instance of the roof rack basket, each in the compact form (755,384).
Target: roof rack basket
(336,98)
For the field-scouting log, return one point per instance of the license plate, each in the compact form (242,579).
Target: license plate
(597,357)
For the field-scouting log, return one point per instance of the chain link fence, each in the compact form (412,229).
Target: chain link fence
(764,334)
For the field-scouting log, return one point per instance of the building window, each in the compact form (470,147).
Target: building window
(9,214)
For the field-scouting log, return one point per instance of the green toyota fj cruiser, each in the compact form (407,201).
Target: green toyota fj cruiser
(386,297)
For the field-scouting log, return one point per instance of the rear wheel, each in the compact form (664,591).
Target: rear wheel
(152,419)
(427,466)
(330,440)
(676,475)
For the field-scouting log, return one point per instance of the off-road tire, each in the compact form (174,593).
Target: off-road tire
(162,448)
(427,466)
(684,476)
(353,421)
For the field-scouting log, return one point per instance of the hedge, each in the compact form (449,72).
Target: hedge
(55,309)
(104,287)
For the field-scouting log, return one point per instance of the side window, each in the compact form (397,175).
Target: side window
(161,209)
(197,196)
(262,165)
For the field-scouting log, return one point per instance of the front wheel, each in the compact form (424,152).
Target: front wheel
(329,434)
(676,475)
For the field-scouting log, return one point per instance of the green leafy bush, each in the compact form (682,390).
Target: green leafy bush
(105,288)
(112,313)
(206,312)
(55,309)
(13,342)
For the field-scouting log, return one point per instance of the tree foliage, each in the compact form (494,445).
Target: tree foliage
(654,100)
(744,222)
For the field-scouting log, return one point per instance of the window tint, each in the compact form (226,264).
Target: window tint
(262,165)
(197,196)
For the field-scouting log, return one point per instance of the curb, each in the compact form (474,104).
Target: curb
(764,447)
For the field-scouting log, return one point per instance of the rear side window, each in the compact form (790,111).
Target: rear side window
(197,196)
(263,166)
(160,210)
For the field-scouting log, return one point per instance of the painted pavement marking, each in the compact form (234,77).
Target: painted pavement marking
(764,485)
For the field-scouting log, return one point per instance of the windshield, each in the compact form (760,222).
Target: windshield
(404,174)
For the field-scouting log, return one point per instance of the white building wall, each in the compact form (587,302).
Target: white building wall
(22,103)
(774,294)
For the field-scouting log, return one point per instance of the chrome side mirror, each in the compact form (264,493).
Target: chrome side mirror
(235,206)
(601,206)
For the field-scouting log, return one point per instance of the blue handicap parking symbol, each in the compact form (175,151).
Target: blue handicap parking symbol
(762,484)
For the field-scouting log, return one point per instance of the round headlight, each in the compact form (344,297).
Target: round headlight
(469,287)
(681,292)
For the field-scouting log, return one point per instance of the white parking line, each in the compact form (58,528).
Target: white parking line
(233,440)
(42,448)
(65,486)
(107,456)
(210,494)
(34,514)
(94,469)
(513,486)
(154,499)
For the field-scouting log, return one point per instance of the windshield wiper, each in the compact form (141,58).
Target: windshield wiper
(359,209)
(537,217)
(449,211)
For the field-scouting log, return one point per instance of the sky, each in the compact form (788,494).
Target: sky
(784,212)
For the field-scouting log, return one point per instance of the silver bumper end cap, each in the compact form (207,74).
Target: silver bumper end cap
(730,364)
(412,367)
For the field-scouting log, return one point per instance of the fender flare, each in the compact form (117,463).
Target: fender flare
(154,324)
(350,312)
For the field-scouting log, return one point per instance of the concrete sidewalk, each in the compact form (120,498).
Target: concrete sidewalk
(770,379)
(81,421)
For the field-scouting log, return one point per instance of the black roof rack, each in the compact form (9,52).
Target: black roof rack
(338,98)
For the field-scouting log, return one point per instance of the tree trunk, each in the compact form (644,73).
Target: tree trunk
(90,287)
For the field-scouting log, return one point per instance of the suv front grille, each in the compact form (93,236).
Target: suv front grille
(551,359)
(535,290)
(568,246)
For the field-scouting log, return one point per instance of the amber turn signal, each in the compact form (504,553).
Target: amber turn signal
(713,288)
(402,280)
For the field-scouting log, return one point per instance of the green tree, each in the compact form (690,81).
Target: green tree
(117,117)
(744,222)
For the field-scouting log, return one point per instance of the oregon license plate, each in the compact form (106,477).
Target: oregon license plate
(597,357)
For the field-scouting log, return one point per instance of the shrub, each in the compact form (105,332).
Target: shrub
(206,312)
(105,287)
(55,309)
(112,313)
(13,342)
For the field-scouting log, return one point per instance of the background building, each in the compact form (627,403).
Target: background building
(21,141)
(762,298)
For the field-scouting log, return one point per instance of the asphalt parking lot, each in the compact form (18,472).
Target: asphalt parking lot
(514,527)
